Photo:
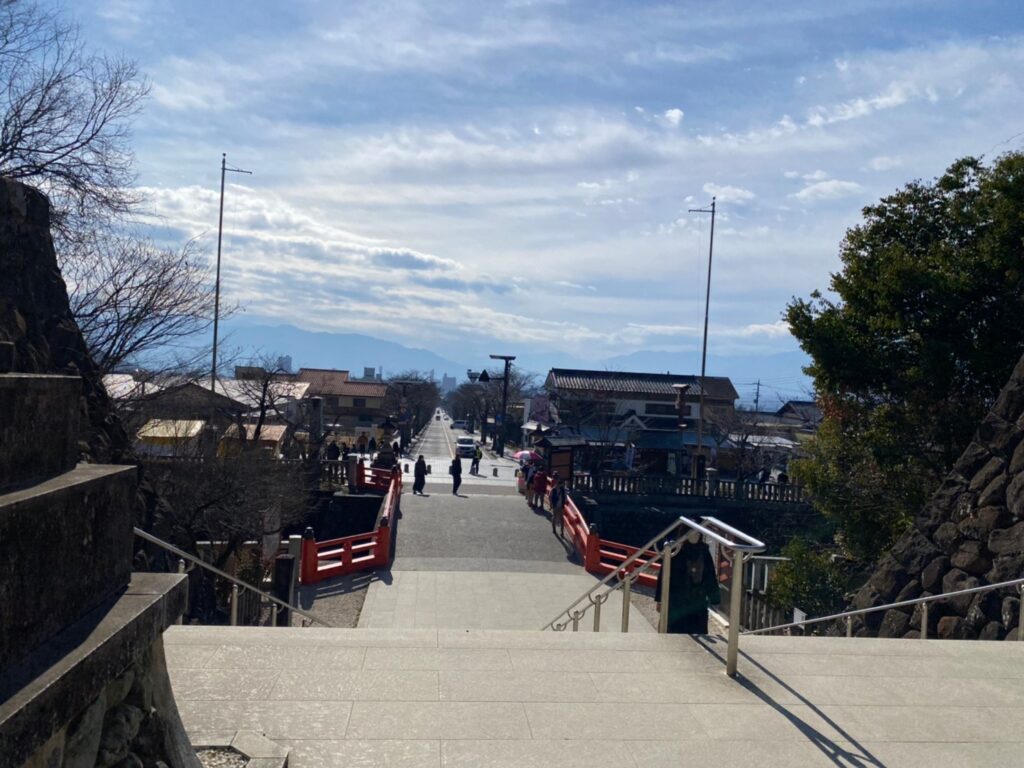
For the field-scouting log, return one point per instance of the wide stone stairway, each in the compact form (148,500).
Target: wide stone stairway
(448,668)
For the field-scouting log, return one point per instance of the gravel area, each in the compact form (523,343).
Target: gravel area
(221,757)
(338,601)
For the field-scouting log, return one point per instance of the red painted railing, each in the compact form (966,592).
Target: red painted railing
(337,557)
(600,556)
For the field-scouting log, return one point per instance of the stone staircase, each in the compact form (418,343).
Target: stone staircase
(433,697)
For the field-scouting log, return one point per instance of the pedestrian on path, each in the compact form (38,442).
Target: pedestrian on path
(361,443)
(557,501)
(419,476)
(474,466)
(372,446)
(456,472)
(540,487)
(693,588)
(528,471)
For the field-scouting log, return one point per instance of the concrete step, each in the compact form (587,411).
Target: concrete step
(433,697)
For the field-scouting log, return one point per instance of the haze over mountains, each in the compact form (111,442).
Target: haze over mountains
(780,373)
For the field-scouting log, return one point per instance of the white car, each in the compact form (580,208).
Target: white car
(465,447)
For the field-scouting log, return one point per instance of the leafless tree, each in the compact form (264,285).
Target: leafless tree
(65,116)
(131,296)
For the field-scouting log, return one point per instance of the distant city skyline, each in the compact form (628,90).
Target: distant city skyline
(477,178)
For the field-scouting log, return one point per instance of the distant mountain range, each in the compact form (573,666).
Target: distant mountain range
(780,373)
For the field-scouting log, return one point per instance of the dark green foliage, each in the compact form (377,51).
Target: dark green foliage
(921,329)
(810,581)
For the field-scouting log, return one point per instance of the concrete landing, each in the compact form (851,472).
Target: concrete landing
(426,697)
(485,600)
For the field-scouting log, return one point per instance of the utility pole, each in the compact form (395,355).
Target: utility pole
(504,402)
(704,349)
(757,396)
(220,235)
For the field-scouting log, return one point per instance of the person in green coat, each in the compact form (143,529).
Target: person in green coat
(693,588)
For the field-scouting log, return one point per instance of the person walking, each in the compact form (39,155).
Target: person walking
(528,483)
(474,466)
(419,474)
(693,588)
(540,487)
(372,446)
(456,472)
(557,500)
(333,452)
(361,443)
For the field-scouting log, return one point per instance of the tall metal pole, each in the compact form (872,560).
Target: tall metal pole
(704,349)
(216,300)
(220,236)
(500,449)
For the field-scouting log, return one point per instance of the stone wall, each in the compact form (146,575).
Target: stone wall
(36,317)
(970,533)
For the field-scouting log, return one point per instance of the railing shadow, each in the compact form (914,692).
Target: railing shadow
(832,750)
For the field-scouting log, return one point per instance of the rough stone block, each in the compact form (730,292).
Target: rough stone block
(992,631)
(1006,568)
(952,628)
(992,469)
(981,524)
(65,547)
(39,428)
(894,623)
(1017,461)
(971,557)
(947,536)
(998,434)
(931,576)
(954,581)
(914,551)
(1009,612)
(994,493)
(1007,541)
(1015,496)
(972,459)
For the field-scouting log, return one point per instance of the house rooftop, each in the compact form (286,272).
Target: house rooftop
(637,383)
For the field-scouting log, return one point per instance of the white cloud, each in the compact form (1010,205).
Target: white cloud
(673,116)
(884,163)
(828,190)
(728,194)
(818,175)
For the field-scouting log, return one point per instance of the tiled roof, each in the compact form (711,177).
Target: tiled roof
(323,381)
(625,383)
(363,389)
(805,410)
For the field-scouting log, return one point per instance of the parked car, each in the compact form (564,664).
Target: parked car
(465,447)
(458,424)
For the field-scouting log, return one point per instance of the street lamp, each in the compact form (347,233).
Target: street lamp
(220,234)
(504,402)
(704,349)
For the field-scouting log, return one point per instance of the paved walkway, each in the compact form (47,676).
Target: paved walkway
(425,698)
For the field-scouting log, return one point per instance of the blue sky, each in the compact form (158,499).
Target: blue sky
(501,176)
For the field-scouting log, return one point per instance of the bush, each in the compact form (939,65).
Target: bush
(810,580)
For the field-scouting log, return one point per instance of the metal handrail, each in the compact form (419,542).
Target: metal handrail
(614,574)
(237,582)
(848,615)
(747,545)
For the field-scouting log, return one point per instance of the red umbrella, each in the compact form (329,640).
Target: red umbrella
(527,456)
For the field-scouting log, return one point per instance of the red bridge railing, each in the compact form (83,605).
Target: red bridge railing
(337,557)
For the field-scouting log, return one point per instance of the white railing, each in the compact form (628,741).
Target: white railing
(738,543)
(236,584)
(847,616)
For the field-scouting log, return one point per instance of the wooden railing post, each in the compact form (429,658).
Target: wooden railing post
(592,556)
(309,561)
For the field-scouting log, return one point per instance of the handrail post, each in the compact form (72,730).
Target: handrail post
(1020,614)
(735,606)
(597,613)
(849,626)
(310,560)
(627,585)
(184,608)
(234,605)
(273,615)
(924,621)
(666,587)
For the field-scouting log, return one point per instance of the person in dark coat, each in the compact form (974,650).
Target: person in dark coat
(372,446)
(693,588)
(333,452)
(456,471)
(419,476)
